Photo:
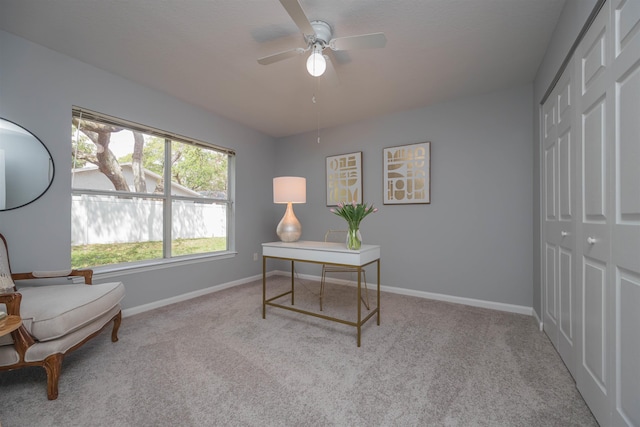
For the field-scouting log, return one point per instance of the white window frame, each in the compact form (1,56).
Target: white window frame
(167,259)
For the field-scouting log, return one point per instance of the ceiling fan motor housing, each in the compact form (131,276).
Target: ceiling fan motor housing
(318,35)
(323,32)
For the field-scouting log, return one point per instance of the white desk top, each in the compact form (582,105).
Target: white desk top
(323,252)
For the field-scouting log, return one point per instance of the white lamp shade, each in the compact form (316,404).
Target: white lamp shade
(316,64)
(289,189)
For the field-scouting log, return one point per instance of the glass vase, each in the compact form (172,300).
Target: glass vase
(354,239)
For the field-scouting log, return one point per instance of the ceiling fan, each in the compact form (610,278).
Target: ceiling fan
(318,36)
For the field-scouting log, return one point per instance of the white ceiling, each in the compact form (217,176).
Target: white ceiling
(204,52)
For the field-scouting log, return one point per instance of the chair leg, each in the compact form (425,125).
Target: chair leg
(322,286)
(366,290)
(116,325)
(364,299)
(53,365)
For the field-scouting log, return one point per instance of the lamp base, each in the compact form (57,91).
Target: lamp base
(289,228)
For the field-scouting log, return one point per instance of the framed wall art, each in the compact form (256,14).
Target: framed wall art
(344,178)
(407,174)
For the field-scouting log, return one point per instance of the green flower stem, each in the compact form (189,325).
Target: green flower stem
(353,213)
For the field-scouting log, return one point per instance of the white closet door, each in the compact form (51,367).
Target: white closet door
(550,211)
(593,376)
(596,240)
(566,216)
(625,274)
(559,164)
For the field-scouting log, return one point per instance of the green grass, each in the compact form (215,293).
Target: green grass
(117,253)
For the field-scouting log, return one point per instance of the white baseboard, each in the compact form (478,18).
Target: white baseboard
(500,306)
(540,324)
(511,308)
(189,295)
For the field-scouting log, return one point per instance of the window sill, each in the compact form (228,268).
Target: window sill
(108,271)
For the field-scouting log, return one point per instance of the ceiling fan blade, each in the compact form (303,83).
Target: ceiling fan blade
(364,41)
(294,9)
(270,59)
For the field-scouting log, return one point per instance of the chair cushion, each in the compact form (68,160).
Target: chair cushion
(50,312)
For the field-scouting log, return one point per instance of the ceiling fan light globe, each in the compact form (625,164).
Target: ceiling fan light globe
(316,64)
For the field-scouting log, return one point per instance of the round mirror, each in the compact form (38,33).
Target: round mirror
(26,166)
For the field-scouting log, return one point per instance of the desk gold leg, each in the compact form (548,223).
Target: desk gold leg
(359,304)
(378,314)
(264,287)
(292,280)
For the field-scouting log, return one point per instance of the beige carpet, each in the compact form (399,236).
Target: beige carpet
(214,361)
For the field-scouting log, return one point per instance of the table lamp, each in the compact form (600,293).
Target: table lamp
(289,190)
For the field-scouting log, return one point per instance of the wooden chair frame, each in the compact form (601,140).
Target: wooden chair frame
(22,340)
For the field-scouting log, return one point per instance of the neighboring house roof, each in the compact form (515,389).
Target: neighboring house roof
(91,177)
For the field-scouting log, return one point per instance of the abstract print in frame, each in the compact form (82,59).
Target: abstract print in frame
(344,178)
(407,174)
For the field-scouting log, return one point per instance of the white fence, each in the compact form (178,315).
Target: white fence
(104,219)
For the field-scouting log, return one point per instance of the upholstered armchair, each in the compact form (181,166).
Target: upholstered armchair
(56,318)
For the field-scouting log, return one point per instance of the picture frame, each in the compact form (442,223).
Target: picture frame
(407,174)
(344,178)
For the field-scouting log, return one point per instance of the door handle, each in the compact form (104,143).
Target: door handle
(591,240)
(564,233)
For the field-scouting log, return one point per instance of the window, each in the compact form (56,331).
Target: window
(122,209)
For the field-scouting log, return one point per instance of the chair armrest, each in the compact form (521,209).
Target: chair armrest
(21,338)
(87,274)
(52,273)
(12,302)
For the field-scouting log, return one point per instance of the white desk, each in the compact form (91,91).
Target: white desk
(321,253)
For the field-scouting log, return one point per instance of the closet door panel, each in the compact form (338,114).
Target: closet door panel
(626,230)
(566,297)
(558,115)
(551,311)
(550,181)
(594,358)
(626,14)
(595,237)
(594,162)
(594,60)
(565,155)
(595,292)
(552,233)
(626,227)
(627,405)
(565,249)
(595,297)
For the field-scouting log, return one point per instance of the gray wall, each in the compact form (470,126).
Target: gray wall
(474,239)
(38,88)
(573,17)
